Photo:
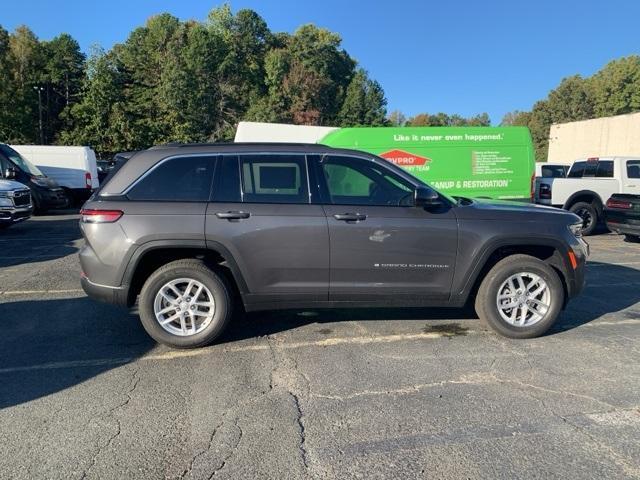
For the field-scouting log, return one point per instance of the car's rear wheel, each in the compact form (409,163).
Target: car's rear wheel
(185,304)
(520,297)
(588,214)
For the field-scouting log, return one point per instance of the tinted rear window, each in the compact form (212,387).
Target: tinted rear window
(179,179)
(633,168)
(605,169)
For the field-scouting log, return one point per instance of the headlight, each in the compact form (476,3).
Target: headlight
(576,229)
(5,202)
(39,181)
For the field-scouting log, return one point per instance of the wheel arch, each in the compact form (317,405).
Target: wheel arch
(152,255)
(588,196)
(547,249)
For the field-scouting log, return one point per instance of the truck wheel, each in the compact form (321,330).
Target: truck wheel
(185,304)
(632,238)
(588,214)
(520,297)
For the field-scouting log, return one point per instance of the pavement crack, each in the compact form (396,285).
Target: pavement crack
(231,452)
(622,461)
(303,439)
(286,374)
(133,384)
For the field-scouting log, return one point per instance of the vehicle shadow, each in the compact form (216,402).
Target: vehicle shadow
(605,293)
(38,240)
(51,345)
(609,289)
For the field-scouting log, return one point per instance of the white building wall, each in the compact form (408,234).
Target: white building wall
(600,137)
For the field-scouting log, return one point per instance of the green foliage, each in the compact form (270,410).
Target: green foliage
(181,81)
(444,120)
(614,90)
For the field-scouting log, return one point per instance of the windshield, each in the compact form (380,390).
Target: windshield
(21,162)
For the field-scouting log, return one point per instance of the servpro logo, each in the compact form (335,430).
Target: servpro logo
(404,159)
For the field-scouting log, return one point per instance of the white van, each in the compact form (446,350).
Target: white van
(73,168)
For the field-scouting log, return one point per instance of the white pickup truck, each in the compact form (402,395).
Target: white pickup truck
(589,184)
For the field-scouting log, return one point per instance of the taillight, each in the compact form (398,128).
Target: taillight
(533,187)
(612,203)
(545,191)
(87,179)
(100,216)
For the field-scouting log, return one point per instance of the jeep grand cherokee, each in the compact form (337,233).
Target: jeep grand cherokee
(191,232)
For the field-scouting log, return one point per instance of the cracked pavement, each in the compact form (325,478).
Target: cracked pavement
(398,393)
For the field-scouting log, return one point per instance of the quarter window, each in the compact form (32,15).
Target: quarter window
(274,178)
(179,179)
(352,181)
(633,168)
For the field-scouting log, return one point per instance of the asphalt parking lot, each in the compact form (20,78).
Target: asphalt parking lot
(401,393)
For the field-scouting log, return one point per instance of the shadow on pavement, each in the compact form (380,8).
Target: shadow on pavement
(38,240)
(50,345)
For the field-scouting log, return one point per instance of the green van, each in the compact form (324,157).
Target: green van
(489,162)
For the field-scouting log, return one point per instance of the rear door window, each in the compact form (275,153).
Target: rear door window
(178,179)
(633,168)
(274,178)
(577,170)
(605,169)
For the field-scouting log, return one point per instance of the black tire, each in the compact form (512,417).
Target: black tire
(589,216)
(632,238)
(5,225)
(486,300)
(192,269)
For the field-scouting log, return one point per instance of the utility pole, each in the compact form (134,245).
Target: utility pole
(40,89)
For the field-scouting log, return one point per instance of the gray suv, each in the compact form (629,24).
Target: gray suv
(194,232)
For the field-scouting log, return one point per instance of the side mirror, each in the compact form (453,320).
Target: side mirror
(10,173)
(426,197)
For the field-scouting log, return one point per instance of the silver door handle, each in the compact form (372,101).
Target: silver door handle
(350,217)
(233,215)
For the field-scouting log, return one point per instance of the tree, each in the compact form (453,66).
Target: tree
(616,88)
(26,60)
(100,118)
(364,103)
(397,118)
(444,120)
(62,80)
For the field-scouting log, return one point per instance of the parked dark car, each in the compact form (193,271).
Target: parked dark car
(192,231)
(105,167)
(46,194)
(622,214)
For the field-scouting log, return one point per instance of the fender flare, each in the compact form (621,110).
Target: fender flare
(500,242)
(147,247)
(589,193)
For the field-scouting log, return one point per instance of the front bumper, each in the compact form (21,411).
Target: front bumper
(15,215)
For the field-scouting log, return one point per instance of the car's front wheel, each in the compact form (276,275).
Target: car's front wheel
(520,297)
(185,304)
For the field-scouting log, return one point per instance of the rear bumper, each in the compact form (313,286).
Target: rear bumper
(623,228)
(104,293)
(52,199)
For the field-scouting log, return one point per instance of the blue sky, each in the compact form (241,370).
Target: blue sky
(454,56)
